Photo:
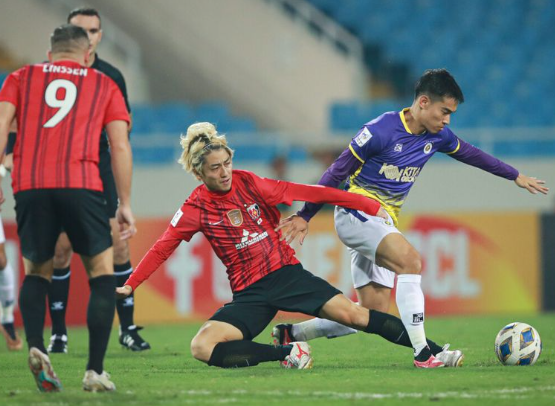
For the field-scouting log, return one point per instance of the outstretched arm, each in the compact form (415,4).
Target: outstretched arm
(155,257)
(344,165)
(471,155)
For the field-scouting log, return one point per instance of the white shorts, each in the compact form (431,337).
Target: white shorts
(362,234)
(2,235)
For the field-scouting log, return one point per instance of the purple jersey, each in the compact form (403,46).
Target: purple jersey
(392,158)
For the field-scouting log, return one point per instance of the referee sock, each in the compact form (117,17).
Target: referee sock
(58,294)
(100,316)
(244,353)
(125,307)
(392,329)
(32,303)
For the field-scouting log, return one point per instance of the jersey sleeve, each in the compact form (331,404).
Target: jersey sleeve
(183,226)
(116,108)
(450,144)
(365,144)
(276,191)
(10,89)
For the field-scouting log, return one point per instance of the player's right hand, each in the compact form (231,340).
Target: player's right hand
(123,292)
(382,213)
(126,221)
(292,227)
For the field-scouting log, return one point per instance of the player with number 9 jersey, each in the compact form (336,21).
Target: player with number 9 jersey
(61,110)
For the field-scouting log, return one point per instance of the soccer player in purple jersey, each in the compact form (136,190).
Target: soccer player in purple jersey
(382,162)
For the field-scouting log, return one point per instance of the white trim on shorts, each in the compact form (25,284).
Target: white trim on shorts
(362,234)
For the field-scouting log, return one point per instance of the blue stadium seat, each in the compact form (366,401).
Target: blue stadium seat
(492,47)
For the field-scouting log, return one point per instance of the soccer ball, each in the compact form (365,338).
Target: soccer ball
(518,344)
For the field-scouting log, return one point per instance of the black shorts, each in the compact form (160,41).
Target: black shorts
(108,183)
(41,215)
(290,288)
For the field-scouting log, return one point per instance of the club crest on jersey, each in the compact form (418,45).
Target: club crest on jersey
(363,137)
(398,148)
(235,217)
(428,148)
(254,211)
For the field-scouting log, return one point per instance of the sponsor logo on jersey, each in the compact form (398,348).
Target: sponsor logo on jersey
(176,217)
(235,217)
(254,211)
(250,238)
(363,137)
(428,148)
(392,172)
(398,148)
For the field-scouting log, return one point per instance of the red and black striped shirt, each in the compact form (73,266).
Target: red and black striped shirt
(61,108)
(240,226)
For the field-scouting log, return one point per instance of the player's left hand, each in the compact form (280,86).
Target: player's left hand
(123,292)
(293,226)
(533,185)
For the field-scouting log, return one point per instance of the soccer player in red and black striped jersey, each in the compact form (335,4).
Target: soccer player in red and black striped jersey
(60,108)
(236,211)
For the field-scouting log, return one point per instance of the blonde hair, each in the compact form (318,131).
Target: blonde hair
(200,140)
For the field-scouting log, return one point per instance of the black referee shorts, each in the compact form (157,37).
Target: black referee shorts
(108,182)
(41,215)
(290,289)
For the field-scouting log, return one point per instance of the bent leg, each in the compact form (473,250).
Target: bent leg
(221,344)
(395,253)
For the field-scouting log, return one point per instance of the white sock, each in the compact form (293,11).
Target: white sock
(410,302)
(7,294)
(315,328)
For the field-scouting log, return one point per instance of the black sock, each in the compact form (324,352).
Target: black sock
(57,300)
(244,353)
(125,307)
(100,316)
(9,329)
(392,329)
(32,304)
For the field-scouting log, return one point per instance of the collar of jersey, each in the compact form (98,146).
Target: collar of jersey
(67,62)
(220,195)
(407,129)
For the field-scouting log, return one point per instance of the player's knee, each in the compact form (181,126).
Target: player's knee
(411,263)
(62,257)
(201,349)
(121,252)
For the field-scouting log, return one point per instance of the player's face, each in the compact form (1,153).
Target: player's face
(437,114)
(91,24)
(216,171)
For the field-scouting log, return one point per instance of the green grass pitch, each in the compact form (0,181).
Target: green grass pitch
(357,369)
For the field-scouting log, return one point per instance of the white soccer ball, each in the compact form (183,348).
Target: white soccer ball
(518,344)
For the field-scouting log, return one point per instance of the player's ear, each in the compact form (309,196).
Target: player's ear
(197,175)
(424,101)
(49,55)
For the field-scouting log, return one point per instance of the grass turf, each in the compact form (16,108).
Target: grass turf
(354,369)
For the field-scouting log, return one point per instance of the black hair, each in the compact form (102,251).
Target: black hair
(437,84)
(84,11)
(68,38)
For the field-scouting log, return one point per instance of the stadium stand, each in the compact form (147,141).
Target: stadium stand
(496,53)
